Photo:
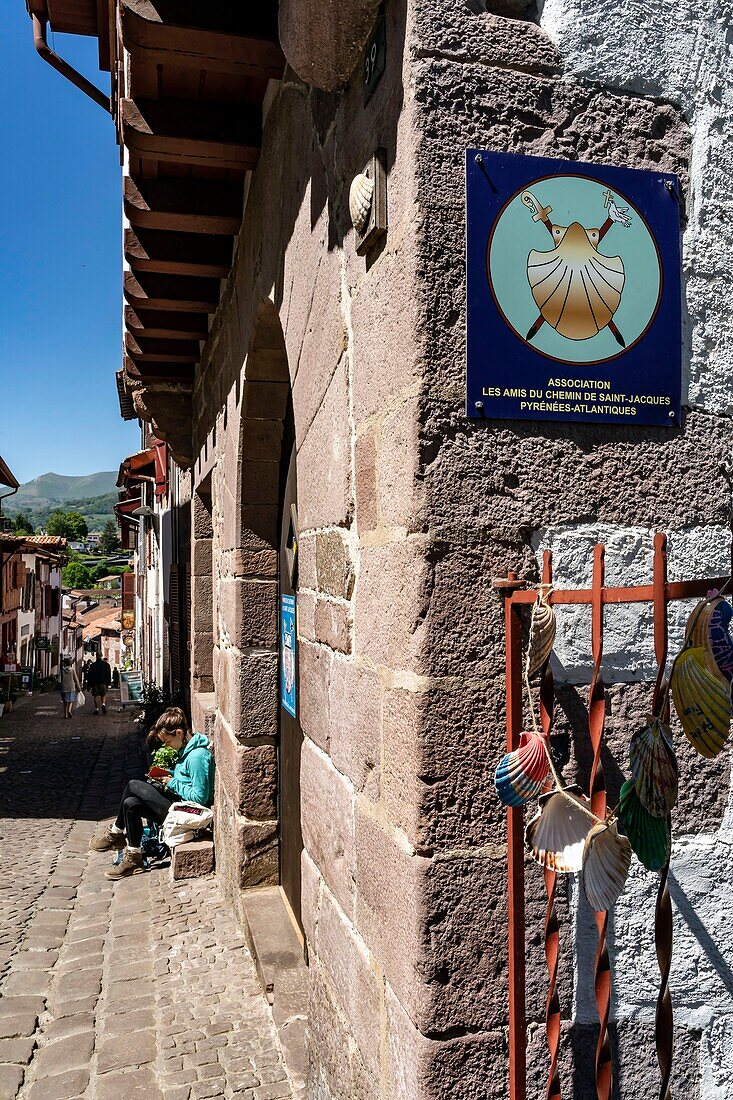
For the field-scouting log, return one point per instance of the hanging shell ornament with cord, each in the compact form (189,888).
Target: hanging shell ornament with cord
(648,836)
(702,701)
(522,774)
(556,834)
(654,767)
(708,627)
(721,643)
(606,863)
(361,196)
(542,631)
(576,288)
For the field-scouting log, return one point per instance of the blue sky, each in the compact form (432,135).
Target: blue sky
(60,263)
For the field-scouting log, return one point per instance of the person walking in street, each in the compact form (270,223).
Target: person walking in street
(70,686)
(100,677)
(192,780)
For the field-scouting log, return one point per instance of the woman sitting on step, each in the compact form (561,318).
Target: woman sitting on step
(192,781)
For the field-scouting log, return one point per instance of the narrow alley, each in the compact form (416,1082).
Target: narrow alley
(142,988)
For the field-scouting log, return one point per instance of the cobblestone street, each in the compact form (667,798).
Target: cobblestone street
(142,988)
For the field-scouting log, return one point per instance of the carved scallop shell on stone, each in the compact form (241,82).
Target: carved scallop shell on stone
(654,767)
(702,702)
(542,635)
(361,195)
(556,835)
(606,863)
(648,836)
(521,774)
(721,643)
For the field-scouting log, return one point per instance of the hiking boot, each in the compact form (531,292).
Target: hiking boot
(107,842)
(130,864)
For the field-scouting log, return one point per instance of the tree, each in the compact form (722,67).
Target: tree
(69,525)
(110,539)
(22,525)
(76,575)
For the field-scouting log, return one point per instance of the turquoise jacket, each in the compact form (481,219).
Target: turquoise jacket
(193,775)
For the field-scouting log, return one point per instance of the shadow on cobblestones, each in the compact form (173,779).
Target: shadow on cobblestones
(144,988)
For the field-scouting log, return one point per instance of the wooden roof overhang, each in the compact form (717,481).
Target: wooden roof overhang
(188,84)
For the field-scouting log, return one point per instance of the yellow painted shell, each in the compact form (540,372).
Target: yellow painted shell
(577,289)
(702,702)
(361,194)
(606,863)
(556,835)
(542,635)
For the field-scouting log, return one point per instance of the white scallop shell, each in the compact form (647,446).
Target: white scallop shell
(542,636)
(606,862)
(361,194)
(556,835)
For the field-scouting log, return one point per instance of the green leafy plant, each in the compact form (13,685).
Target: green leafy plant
(165,757)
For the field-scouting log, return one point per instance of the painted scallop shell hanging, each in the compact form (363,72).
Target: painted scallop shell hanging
(576,288)
(606,862)
(648,836)
(542,635)
(708,628)
(702,702)
(654,767)
(556,835)
(521,774)
(721,643)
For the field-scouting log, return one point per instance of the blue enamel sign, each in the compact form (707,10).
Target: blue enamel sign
(287,654)
(574,299)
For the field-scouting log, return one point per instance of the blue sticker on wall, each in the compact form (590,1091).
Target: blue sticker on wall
(287,655)
(574,298)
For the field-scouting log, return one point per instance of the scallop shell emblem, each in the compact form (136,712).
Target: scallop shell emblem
(521,774)
(556,835)
(606,862)
(542,635)
(654,767)
(361,194)
(648,836)
(702,702)
(576,288)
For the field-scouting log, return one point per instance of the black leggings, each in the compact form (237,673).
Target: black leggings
(142,800)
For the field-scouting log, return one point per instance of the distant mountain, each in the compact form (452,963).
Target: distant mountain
(93,495)
(57,490)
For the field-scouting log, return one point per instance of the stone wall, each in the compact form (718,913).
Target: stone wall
(609,84)
(406,510)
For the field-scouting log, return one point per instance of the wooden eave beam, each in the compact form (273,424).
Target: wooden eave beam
(179,293)
(152,40)
(166,326)
(184,205)
(180,131)
(148,350)
(182,373)
(178,253)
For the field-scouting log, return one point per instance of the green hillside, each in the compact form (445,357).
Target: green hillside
(93,495)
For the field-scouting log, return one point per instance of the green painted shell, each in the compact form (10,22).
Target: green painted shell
(648,836)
